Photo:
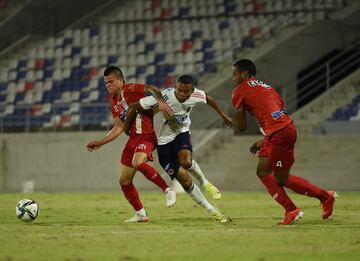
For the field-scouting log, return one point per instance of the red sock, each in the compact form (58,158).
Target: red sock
(151,174)
(277,192)
(132,195)
(304,187)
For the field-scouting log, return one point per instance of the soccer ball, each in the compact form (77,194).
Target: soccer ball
(27,210)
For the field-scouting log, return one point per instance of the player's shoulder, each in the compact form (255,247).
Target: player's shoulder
(129,87)
(197,93)
(168,93)
(253,82)
(168,90)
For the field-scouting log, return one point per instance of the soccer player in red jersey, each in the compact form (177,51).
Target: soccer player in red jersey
(276,149)
(141,143)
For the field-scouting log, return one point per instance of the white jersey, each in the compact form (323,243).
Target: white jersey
(180,122)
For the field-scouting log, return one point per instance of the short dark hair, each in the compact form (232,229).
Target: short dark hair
(186,79)
(112,69)
(246,65)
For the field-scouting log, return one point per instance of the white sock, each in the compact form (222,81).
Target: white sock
(141,212)
(197,173)
(195,193)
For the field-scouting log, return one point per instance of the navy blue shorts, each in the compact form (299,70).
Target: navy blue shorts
(168,153)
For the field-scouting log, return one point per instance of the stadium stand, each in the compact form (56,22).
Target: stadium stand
(339,106)
(58,83)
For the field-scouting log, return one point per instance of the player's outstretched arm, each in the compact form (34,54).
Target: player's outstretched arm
(116,130)
(163,106)
(240,119)
(213,104)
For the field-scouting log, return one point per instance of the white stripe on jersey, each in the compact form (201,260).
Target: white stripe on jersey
(138,123)
(170,128)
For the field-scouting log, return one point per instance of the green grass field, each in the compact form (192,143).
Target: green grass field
(89,226)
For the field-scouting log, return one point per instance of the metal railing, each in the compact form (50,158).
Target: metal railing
(325,75)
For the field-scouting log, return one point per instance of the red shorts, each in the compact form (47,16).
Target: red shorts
(138,143)
(279,148)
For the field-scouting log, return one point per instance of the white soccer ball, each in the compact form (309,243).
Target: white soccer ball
(27,210)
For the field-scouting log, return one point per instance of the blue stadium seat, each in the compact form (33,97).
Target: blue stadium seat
(112,59)
(36,121)
(67,41)
(85,61)
(21,75)
(48,73)
(60,109)
(209,55)
(151,79)
(47,97)
(139,37)
(84,95)
(224,24)
(48,62)
(196,34)
(169,68)
(207,44)
(57,86)
(210,68)
(3,87)
(356,101)
(82,84)
(149,47)
(159,57)
(94,32)
(184,11)
(75,51)
(160,70)
(19,97)
(20,111)
(140,70)
(247,42)
(344,113)
(230,8)
(22,64)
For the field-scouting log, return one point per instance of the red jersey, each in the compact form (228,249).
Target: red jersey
(117,108)
(263,102)
(143,123)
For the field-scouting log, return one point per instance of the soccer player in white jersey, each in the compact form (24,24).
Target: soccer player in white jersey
(174,140)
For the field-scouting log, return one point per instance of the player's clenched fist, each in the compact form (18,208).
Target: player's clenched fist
(94,145)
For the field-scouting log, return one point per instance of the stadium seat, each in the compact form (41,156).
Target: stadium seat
(159,45)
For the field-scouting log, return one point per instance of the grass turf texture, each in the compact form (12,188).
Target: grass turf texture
(89,226)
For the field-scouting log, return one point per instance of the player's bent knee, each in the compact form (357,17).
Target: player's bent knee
(261,174)
(186,184)
(136,164)
(280,181)
(124,181)
(186,164)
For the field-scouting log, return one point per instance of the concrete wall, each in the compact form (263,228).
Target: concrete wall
(329,161)
(57,162)
(60,162)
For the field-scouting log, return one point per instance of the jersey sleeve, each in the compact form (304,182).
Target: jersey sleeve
(148,102)
(237,99)
(132,92)
(198,96)
(139,88)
